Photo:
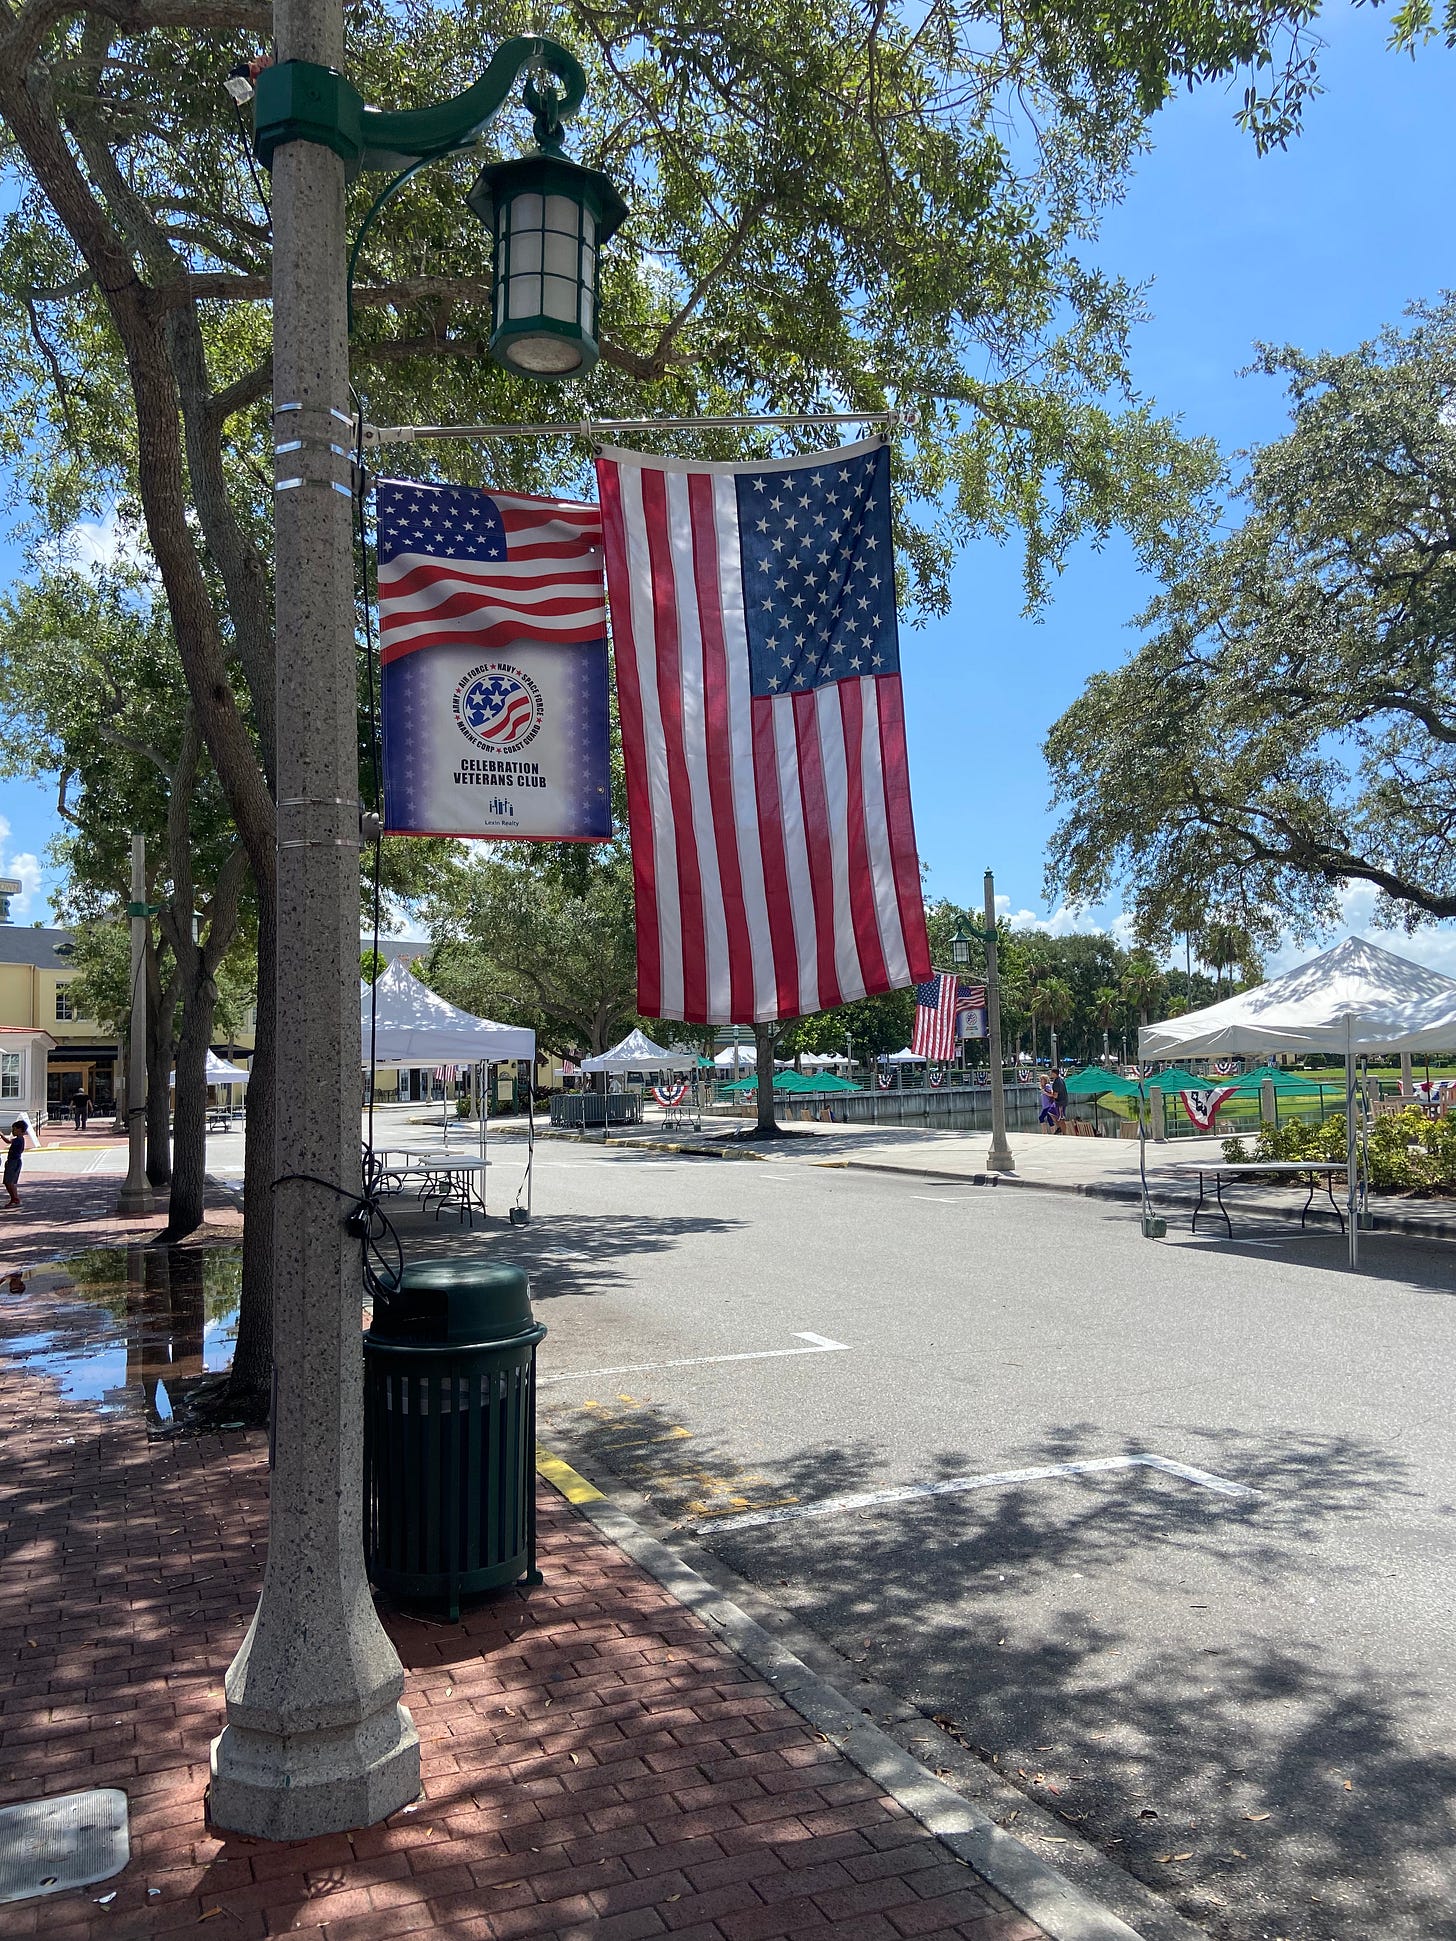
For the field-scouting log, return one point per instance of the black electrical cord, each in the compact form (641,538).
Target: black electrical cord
(369,1224)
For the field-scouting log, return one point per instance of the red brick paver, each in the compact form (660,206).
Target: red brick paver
(61,1214)
(596,1764)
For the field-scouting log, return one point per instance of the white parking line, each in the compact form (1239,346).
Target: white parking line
(963,1485)
(818,1345)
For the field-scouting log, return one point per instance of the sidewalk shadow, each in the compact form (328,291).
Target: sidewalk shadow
(1023,1621)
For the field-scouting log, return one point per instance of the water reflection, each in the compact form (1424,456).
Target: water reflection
(126,1329)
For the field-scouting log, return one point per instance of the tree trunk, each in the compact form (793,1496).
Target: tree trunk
(251,1380)
(189,1168)
(763,1038)
(160,1007)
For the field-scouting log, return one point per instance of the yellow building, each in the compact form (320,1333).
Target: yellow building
(49,1053)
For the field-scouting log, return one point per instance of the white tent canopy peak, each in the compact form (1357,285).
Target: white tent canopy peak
(1356,998)
(414,1026)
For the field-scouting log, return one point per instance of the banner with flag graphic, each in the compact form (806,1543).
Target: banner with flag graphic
(763,735)
(493,663)
(941,1003)
(971,1013)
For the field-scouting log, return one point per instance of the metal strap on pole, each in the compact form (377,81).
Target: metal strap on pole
(373,436)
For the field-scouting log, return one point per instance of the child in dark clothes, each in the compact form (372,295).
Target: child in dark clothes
(13,1156)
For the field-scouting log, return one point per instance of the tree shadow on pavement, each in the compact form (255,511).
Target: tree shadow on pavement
(1137,1653)
(564,1253)
(1406,1259)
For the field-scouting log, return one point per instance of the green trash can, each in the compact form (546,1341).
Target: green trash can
(450,1433)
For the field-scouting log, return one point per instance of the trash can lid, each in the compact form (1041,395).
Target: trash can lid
(456,1300)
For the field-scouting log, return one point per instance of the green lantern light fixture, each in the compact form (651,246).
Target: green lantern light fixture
(548,216)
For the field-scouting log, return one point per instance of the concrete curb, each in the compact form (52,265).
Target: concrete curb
(1382,1221)
(1066,1910)
(697,1150)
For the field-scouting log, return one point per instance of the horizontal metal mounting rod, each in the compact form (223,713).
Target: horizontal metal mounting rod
(376,435)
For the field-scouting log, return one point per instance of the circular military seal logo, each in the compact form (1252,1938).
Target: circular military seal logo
(498,708)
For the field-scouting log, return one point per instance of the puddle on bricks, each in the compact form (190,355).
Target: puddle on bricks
(636,1441)
(125,1330)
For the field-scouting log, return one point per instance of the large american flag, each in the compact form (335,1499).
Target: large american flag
(758,683)
(484,569)
(940,1001)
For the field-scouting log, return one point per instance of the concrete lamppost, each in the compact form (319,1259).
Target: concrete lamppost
(999,1157)
(316,1739)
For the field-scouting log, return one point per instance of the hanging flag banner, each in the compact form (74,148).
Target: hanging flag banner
(493,664)
(971,1011)
(763,734)
(1203,1105)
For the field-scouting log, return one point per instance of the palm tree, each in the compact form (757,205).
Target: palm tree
(1052,1004)
(1105,1001)
(1142,983)
(1222,944)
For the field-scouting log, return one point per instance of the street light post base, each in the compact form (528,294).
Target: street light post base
(300,1785)
(135,1202)
(1000,1159)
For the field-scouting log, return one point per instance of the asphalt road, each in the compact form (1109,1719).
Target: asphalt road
(1237,1683)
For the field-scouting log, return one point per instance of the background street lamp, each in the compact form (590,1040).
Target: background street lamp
(960,951)
(316,1740)
(999,1156)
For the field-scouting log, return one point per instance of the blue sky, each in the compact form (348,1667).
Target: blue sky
(1319,247)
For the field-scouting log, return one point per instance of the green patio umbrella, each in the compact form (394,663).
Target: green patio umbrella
(1097,1082)
(1177,1080)
(1287,1083)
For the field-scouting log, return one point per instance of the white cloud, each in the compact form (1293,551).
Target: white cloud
(102,543)
(1433,944)
(1066,922)
(26,869)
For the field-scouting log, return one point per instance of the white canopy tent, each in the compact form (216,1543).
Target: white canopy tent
(1350,1001)
(822,1061)
(905,1057)
(732,1055)
(415,1026)
(637,1053)
(221,1072)
(404,1025)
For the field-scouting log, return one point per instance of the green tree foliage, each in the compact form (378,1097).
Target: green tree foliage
(542,936)
(1289,724)
(91,694)
(871,1024)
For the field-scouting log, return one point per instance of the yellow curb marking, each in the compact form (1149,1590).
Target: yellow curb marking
(561,1476)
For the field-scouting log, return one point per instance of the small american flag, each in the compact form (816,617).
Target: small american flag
(763,733)
(935,1016)
(457,564)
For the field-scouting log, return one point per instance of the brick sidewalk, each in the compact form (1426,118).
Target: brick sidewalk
(596,1764)
(62,1213)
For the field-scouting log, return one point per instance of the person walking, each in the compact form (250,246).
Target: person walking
(14,1154)
(1059,1099)
(81,1109)
(1048,1114)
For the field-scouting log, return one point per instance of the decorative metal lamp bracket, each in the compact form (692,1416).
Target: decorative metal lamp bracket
(300,101)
